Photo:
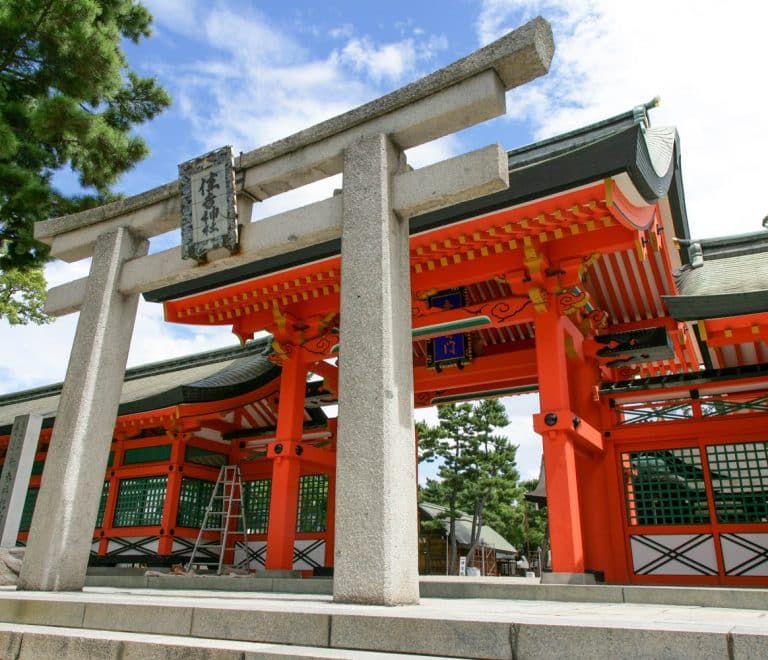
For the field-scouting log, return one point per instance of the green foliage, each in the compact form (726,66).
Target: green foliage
(522,523)
(67,99)
(477,466)
(22,294)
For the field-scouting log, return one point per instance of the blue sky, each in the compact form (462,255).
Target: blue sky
(246,73)
(249,73)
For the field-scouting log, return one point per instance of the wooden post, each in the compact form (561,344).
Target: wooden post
(107,529)
(172,494)
(281,532)
(559,451)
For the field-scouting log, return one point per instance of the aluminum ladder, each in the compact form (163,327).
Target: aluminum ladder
(226,504)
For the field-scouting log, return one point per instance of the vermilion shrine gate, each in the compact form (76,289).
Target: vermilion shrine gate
(577,280)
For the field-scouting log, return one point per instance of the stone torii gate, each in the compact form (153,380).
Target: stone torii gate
(376,545)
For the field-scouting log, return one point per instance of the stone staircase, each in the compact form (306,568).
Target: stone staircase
(124,623)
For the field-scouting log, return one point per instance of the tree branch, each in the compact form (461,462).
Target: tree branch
(27,35)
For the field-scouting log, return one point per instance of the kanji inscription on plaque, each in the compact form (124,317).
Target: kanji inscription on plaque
(208,206)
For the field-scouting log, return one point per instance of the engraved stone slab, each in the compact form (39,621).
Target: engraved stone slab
(208,205)
(15,475)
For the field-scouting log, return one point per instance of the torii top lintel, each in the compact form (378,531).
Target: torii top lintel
(431,107)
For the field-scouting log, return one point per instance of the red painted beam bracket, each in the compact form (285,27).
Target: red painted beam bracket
(588,436)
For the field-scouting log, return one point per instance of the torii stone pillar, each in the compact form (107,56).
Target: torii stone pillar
(59,542)
(376,474)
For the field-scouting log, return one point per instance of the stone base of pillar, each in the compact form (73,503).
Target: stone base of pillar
(568,578)
(10,565)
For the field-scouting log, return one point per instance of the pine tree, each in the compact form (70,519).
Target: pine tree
(67,99)
(522,523)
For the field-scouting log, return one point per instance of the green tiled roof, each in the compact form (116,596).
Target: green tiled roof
(208,376)
(729,278)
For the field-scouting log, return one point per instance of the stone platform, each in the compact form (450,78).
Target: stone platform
(111,622)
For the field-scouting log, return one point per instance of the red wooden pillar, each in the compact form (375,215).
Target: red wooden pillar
(286,466)
(597,498)
(172,494)
(558,442)
(618,569)
(118,447)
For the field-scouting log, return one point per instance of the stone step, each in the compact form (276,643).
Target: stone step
(25,642)
(476,628)
(447,587)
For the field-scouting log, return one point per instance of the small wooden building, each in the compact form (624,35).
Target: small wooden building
(434,551)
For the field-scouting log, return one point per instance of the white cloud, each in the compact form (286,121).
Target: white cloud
(297,198)
(345,31)
(520,431)
(247,35)
(701,59)
(392,61)
(258,83)
(389,61)
(181,14)
(154,340)
(32,356)
(433,152)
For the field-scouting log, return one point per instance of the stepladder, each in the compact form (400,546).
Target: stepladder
(225,516)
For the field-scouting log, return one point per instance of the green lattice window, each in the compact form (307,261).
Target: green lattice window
(313,503)
(256,497)
(193,499)
(29,508)
(102,504)
(31,500)
(665,487)
(140,501)
(739,474)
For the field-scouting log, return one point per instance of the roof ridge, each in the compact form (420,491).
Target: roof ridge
(153,368)
(637,115)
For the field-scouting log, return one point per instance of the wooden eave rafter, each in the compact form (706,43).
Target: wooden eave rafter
(627,270)
(567,225)
(736,341)
(311,284)
(736,330)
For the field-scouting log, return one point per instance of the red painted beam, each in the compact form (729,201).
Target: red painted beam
(483,371)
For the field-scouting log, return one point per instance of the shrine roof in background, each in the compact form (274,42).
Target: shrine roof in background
(210,376)
(624,144)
